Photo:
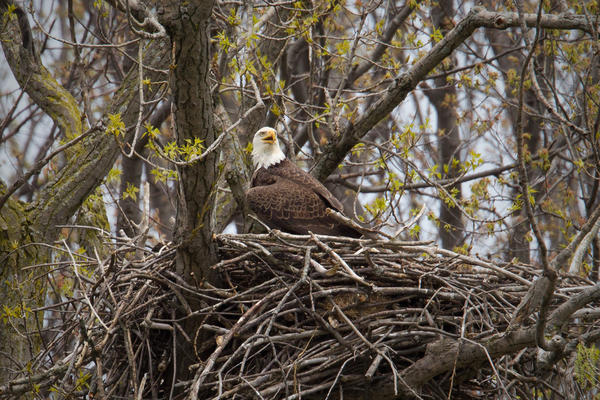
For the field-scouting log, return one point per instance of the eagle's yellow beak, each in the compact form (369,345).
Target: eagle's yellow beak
(270,136)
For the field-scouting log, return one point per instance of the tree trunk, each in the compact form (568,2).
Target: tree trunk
(193,114)
(18,290)
(443,98)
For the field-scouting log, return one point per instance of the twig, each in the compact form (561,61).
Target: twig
(340,261)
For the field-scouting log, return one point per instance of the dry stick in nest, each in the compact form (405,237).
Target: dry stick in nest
(290,291)
(343,252)
(341,262)
(378,351)
(130,358)
(342,219)
(274,311)
(202,373)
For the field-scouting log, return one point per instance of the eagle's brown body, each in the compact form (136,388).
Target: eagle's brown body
(287,198)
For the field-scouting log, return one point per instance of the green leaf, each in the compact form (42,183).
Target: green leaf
(131,192)
(115,125)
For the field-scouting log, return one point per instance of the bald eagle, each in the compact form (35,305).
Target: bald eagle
(285,197)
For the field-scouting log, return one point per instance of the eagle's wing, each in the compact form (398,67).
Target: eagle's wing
(283,204)
(288,170)
(286,205)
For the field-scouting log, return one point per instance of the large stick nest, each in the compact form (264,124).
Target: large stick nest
(297,317)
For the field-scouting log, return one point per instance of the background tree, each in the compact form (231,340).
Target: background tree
(489,115)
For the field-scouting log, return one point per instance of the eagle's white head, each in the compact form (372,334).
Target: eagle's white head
(265,148)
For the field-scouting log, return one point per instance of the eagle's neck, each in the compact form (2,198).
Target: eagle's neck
(267,155)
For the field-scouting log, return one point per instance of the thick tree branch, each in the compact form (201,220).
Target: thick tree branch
(446,354)
(406,82)
(32,76)
(544,285)
(562,257)
(575,303)
(236,170)
(22,385)
(576,261)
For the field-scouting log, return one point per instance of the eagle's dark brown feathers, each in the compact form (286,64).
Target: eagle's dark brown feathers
(287,198)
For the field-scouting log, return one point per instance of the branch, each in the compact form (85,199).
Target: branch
(575,303)
(359,69)
(25,384)
(201,373)
(548,280)
(446,354)
(404,83)
(521,165)
(564,255)
(237,173)
(447,182)
(367,232)
(32,76)
(504,20)
(41,164)
(577,259)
